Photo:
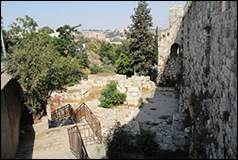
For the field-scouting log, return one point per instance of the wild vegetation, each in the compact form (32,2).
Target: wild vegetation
(110,96)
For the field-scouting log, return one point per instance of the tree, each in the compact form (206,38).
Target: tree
(40,70)
(107,53)
(67,32)
(122,48)
(65,43)
(141,42)
(156,46)
(47,30)
(23,26)
(18,30)
(82,56)
(123,65)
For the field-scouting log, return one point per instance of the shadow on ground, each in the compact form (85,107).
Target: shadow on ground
(156,132)
(27,135)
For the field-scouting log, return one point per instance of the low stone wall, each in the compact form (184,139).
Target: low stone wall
(133,87)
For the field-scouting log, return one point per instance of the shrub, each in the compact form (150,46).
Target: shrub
(94,69)
(110,96)
(105,69)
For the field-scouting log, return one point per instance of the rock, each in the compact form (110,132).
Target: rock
(133,128)
(168,139)
(179,140)
(187,130)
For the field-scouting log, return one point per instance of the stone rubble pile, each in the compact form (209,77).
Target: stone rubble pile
(133,87)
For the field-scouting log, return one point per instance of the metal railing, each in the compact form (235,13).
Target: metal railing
(84,112)
(77,146)
(62,113)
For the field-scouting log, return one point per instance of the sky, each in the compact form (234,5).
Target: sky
(91,14)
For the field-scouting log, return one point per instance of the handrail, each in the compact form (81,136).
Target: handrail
(77,146)
(77,115)
(84,112)
(63,112)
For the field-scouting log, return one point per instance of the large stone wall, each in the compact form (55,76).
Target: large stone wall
(207,39)
(10,118)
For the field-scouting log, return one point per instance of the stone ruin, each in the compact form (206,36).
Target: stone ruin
(137,89)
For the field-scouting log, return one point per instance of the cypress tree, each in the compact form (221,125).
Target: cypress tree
(141,41)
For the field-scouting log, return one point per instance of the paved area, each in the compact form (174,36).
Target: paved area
(51,144)
(164,103)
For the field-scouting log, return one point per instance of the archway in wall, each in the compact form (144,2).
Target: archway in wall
(175,50)
(170,74)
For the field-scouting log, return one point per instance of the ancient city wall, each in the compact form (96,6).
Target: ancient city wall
(207,43)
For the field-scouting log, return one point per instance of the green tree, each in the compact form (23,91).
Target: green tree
(82,56)
(18,30)
(123,48)
(141,41)
(107,53)
(67,32)
(47,30)
(40,70)
(23,26)
(123,65)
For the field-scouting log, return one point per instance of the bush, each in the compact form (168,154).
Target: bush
(104,69)
(110,96)
(94,69)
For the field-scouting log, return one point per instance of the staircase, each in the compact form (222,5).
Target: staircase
(85,137)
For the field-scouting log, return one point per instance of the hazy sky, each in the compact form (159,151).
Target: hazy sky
(91,14)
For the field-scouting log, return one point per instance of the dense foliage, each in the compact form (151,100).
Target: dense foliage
(123,65)
(47,30)
(107,53)
(110,96)
(41,70)
(35,59)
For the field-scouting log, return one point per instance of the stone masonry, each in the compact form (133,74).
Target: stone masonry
(205,38)
(134,87)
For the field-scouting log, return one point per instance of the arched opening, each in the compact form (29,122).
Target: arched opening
(175,50)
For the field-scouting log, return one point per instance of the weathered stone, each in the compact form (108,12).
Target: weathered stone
(202,37)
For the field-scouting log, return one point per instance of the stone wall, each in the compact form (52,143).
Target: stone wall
(166,41)
(10,118)
(133,87)
(207,42)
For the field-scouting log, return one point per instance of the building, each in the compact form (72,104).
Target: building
(94,34)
